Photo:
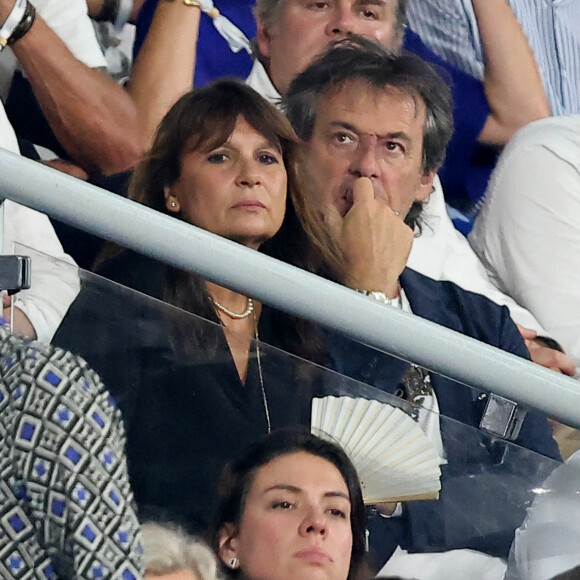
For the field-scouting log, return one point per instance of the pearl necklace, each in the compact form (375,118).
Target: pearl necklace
(249,309)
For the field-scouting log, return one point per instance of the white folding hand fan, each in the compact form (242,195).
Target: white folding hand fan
(394,459)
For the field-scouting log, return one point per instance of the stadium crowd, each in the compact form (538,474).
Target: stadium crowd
(423,153)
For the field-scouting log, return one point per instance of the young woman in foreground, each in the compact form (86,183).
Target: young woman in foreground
(291,508)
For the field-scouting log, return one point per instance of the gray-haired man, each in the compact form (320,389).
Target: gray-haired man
(291,33)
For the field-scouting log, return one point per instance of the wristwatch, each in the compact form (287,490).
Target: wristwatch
(381,297)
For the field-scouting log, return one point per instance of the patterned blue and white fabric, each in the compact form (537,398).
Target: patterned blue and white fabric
(66,507)
(449,28)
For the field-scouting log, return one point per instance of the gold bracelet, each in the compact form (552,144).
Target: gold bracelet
(194,3)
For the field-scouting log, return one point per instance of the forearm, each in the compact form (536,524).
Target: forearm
(92,117)
(512,81)
(164,68)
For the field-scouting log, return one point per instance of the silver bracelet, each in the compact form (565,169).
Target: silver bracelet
(382,297)
(12,22)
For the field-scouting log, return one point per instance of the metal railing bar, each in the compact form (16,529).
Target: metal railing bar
(297,292)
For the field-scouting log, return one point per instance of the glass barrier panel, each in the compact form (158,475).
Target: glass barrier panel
(54,284)
(449,493)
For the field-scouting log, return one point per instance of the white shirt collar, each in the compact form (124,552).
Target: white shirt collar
(261,83)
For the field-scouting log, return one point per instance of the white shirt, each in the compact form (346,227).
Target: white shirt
(54,278)
(528,231)
(441,252)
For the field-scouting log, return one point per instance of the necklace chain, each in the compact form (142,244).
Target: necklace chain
(249,309)
(261,376)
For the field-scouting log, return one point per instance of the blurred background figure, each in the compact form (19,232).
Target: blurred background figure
(547,543)
(451,29)
(171,554)
(528,231)
(59,98)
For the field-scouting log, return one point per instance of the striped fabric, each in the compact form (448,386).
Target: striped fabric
(449,27)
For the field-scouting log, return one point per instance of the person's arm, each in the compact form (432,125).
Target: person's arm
(163,71)
(54,277)
(512,80)
(92,116)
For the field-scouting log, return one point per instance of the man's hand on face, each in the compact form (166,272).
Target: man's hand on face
(375,241)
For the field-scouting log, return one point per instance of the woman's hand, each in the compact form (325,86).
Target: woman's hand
(374,240)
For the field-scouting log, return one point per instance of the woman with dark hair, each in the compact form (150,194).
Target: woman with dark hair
(289,508)
(221,146)
(195,390)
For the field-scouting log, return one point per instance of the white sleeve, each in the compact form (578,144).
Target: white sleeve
(8,139)
(528,231)
(54,282)
(69,20)
(443,253)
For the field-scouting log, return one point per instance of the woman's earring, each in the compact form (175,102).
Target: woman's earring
(234,563)
(173,204)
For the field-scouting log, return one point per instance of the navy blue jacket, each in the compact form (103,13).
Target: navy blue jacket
(487,482)
(470,314)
